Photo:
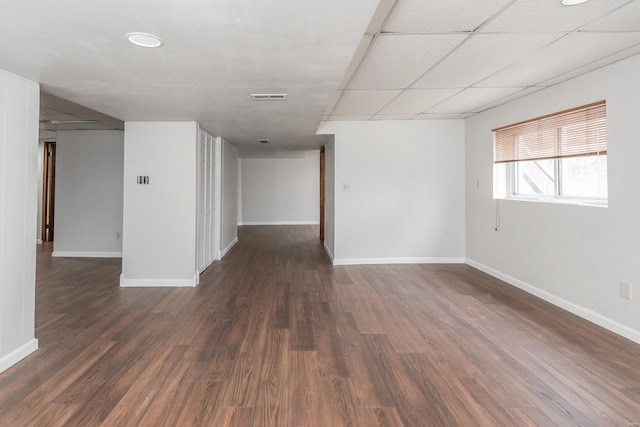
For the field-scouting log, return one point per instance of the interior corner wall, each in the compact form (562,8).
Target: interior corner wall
(19,113)
(573,256)
(159,221)
(229,220)
(399,191)
(329,196)
(281,191)
(88,206)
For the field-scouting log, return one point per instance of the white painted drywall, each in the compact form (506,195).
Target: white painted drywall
(573,256)
(329,196)
(159,228)
(406,197)
(19,113)
(88,206)
(229,218)
(281,190)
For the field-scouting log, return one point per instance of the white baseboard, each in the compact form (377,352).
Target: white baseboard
(18,354)
(408,260)
(159,283)
(583,312)
(74,254)
(228,248)
(282,223)
(328,251)
(38,241)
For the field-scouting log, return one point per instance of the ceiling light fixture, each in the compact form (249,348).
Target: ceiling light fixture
(269,96)
(572,2)
(145,39)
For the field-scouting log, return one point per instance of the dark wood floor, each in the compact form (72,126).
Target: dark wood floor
(276,336)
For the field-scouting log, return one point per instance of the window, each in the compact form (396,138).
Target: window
(558,157)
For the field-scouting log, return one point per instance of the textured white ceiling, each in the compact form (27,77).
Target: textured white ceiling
(216,53)
(336,60)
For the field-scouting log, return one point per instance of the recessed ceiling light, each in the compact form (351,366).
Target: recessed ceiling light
(145,40)
(572,2)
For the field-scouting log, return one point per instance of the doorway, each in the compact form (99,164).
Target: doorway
(322,195)
(48,190)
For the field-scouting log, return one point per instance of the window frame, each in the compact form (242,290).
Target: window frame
(589,119)
(557,197)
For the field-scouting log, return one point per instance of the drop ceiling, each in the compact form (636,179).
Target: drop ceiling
(335,59)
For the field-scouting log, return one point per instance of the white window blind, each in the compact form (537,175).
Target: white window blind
(581,131)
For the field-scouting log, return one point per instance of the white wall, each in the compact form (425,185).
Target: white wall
(19,113)
(573,256)
(406,198)
(159,228)
(88,207)
(281,190)
(329,196)
(229,218)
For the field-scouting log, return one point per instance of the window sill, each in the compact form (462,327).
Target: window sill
(555,201)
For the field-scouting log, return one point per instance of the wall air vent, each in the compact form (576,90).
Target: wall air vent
(263,141)
(269,96)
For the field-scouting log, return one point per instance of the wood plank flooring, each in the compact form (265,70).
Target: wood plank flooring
(276,336)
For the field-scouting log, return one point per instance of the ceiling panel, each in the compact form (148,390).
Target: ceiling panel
(571,52)
(623,19)
(413,101)
(362,49)
(392,117)
(362,102)
(594,65)
(515,95)
(396,61)
(428,116)
(541,16)
(488,53)
(349,118)
(419,16)
(471,100)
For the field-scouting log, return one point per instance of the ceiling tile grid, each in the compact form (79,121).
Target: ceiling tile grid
(423,17)
(363,102)
(510,48)
(481,56)
(396,61)
(572,51)
(548,16)
(414,101)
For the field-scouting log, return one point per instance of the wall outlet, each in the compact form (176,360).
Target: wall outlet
(117,235)
(346,187)
(625,290)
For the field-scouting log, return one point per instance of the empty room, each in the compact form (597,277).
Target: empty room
(303,213)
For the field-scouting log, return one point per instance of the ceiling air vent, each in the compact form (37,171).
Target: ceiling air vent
(263,141)
(269,96)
